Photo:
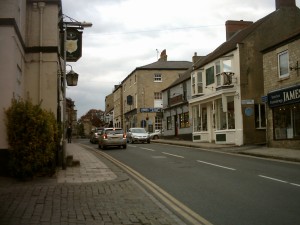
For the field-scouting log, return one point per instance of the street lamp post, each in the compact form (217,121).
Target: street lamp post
(77,25)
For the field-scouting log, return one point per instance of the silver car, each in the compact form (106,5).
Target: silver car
(112,137)
(138,134)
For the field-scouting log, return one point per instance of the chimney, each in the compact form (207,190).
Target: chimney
(285,3)
(163,56)
(233,26)
(195,58)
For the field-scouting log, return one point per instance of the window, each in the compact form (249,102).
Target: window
(193,84)
(199,83)
(169,123)
(283,64)
(286,122)
(210,76)
(225,66)
(199,118)
(260,116)
(157,95)
(158,123)
(158,102)
(184,120)
(225,116)
(157,77)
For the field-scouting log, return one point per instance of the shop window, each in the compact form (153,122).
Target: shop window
(260,116)
(225,116)
(184,120)
(196,119)
(286,122)
(199,118)
(283,64)
(169,123)
(220,116)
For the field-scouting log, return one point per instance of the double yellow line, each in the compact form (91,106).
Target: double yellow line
(181,209)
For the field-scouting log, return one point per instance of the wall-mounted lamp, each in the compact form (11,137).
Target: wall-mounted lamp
(72,77)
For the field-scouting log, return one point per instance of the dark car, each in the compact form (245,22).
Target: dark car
(112,137)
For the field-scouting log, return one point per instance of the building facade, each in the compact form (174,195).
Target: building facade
(282,89)
(227,85)
(29,55)
(142,92)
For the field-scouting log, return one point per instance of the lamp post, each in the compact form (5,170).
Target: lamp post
(71,74)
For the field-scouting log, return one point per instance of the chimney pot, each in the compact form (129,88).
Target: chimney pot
(233,26)
(285,3)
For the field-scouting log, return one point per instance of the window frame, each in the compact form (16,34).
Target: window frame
(279,55)
(157,77)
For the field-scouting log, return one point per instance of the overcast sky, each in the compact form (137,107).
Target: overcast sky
(131,33)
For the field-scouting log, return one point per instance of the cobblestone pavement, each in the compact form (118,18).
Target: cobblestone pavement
(107,196)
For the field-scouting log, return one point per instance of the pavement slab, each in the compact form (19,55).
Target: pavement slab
(95,193)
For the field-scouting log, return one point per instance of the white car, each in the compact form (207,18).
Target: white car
(156,134)
(138,134)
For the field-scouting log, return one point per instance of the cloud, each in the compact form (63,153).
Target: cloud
(126,33)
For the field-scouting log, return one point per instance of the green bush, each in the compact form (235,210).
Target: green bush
(33,138)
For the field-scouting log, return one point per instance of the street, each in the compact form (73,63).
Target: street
(222,188)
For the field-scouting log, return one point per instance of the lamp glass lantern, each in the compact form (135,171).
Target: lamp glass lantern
(72,78)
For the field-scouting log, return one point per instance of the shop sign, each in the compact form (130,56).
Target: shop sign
(73,44)
(150,110)
(284,96)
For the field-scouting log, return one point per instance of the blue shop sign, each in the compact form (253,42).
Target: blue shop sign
(284,96)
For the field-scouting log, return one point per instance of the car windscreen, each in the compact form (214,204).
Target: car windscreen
(114,132)
(138,130)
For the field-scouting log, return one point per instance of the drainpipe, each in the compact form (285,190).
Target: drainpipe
(41,6)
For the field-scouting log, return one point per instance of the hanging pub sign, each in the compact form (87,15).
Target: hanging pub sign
(73,44)
(284,96)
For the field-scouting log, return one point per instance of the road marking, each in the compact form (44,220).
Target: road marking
(271,178)
(282,181)
(164,196)
(298,185)
(178,156)
(224,167)
(148,149)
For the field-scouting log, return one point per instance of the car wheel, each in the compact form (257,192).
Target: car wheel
(148,141)
(155,137)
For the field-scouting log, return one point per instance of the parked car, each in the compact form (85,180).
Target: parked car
(112,137)
(94,135)
(156,134)
(138,134)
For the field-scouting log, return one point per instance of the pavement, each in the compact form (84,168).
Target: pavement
(97,192)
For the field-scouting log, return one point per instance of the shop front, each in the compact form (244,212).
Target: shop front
(217,119)
(284,105)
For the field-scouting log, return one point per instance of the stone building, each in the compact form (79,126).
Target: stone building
(29,55)
(142,92)
(228,84)
(282,89)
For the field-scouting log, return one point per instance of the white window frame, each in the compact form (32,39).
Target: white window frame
(280,74)
(157,77)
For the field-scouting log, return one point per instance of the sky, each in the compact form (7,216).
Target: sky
(131,33)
